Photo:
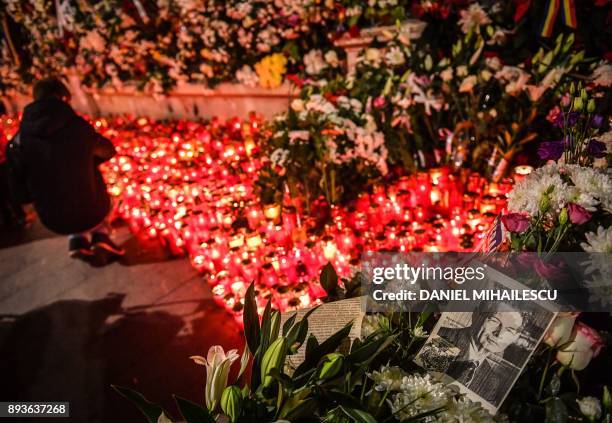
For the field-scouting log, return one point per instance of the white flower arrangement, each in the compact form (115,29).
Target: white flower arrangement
(314,62)
(557,185)
(598,242)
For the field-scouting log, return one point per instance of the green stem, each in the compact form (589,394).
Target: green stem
(383,399)
(363,387)
(545,373)
(558,240)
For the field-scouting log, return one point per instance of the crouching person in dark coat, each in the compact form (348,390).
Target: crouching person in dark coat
(61,152)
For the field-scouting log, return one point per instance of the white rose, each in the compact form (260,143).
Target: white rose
(332,58)
(297,105)
(467,84)
(446,74)
(462,70)
(485,75)
(560,330)
(584,344)
(372,56)
(590,407)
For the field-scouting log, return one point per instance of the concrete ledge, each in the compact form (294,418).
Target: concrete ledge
(185,101)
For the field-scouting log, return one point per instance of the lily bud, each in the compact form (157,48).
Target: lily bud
(331,366)
(583,94)
(563,217)
(578,103)
(273,358)
(428,62)
(607,399)
(572,88)
(591,106)
(544,203)
(231,402)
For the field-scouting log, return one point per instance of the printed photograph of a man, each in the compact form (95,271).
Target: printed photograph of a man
(479,365)
(485,350)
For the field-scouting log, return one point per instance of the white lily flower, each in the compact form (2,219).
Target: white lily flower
(217,364)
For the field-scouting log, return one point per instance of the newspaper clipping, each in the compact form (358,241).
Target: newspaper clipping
(327,320)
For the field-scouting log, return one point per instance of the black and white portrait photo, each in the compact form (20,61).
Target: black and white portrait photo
(484,351)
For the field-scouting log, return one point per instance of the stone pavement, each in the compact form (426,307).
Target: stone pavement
(68,330)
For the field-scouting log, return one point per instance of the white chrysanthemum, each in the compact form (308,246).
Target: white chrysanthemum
(349,103)
(298,136)
(318,103)
(369,324)
(473,18)
(464,411)
(592,186)
(247,76)
(314,62)
(419,394)
(388,378)
(279,157)
(372,57)
(602,75)
(599,287)
(598,242)
(527,194)
(395,56)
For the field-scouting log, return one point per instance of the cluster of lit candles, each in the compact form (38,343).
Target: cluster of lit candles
(191,185)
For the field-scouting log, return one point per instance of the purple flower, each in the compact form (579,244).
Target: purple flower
(551,150)
(596,149)
(596,121)
(572,118)
(569,119)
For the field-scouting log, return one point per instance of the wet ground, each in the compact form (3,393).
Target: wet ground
(69,329)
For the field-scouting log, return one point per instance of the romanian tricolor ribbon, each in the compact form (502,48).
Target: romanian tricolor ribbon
(568,10)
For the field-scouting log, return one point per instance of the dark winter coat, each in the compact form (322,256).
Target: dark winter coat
(61,153)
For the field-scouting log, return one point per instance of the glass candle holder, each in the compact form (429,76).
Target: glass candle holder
(272,212)
(521,172)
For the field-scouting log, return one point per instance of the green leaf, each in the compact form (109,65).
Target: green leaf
(357,415)
(329,345)
(556,411)
(275,320)
(298,332)
(304,409)
(289,324)
(192,412)
(284,380)
(251,319)
(329,278)
(266,322)
(150,410)
(311,344)
(422,416)
(366,351)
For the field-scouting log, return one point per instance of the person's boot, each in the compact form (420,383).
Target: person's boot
(79,247)
(102,243)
